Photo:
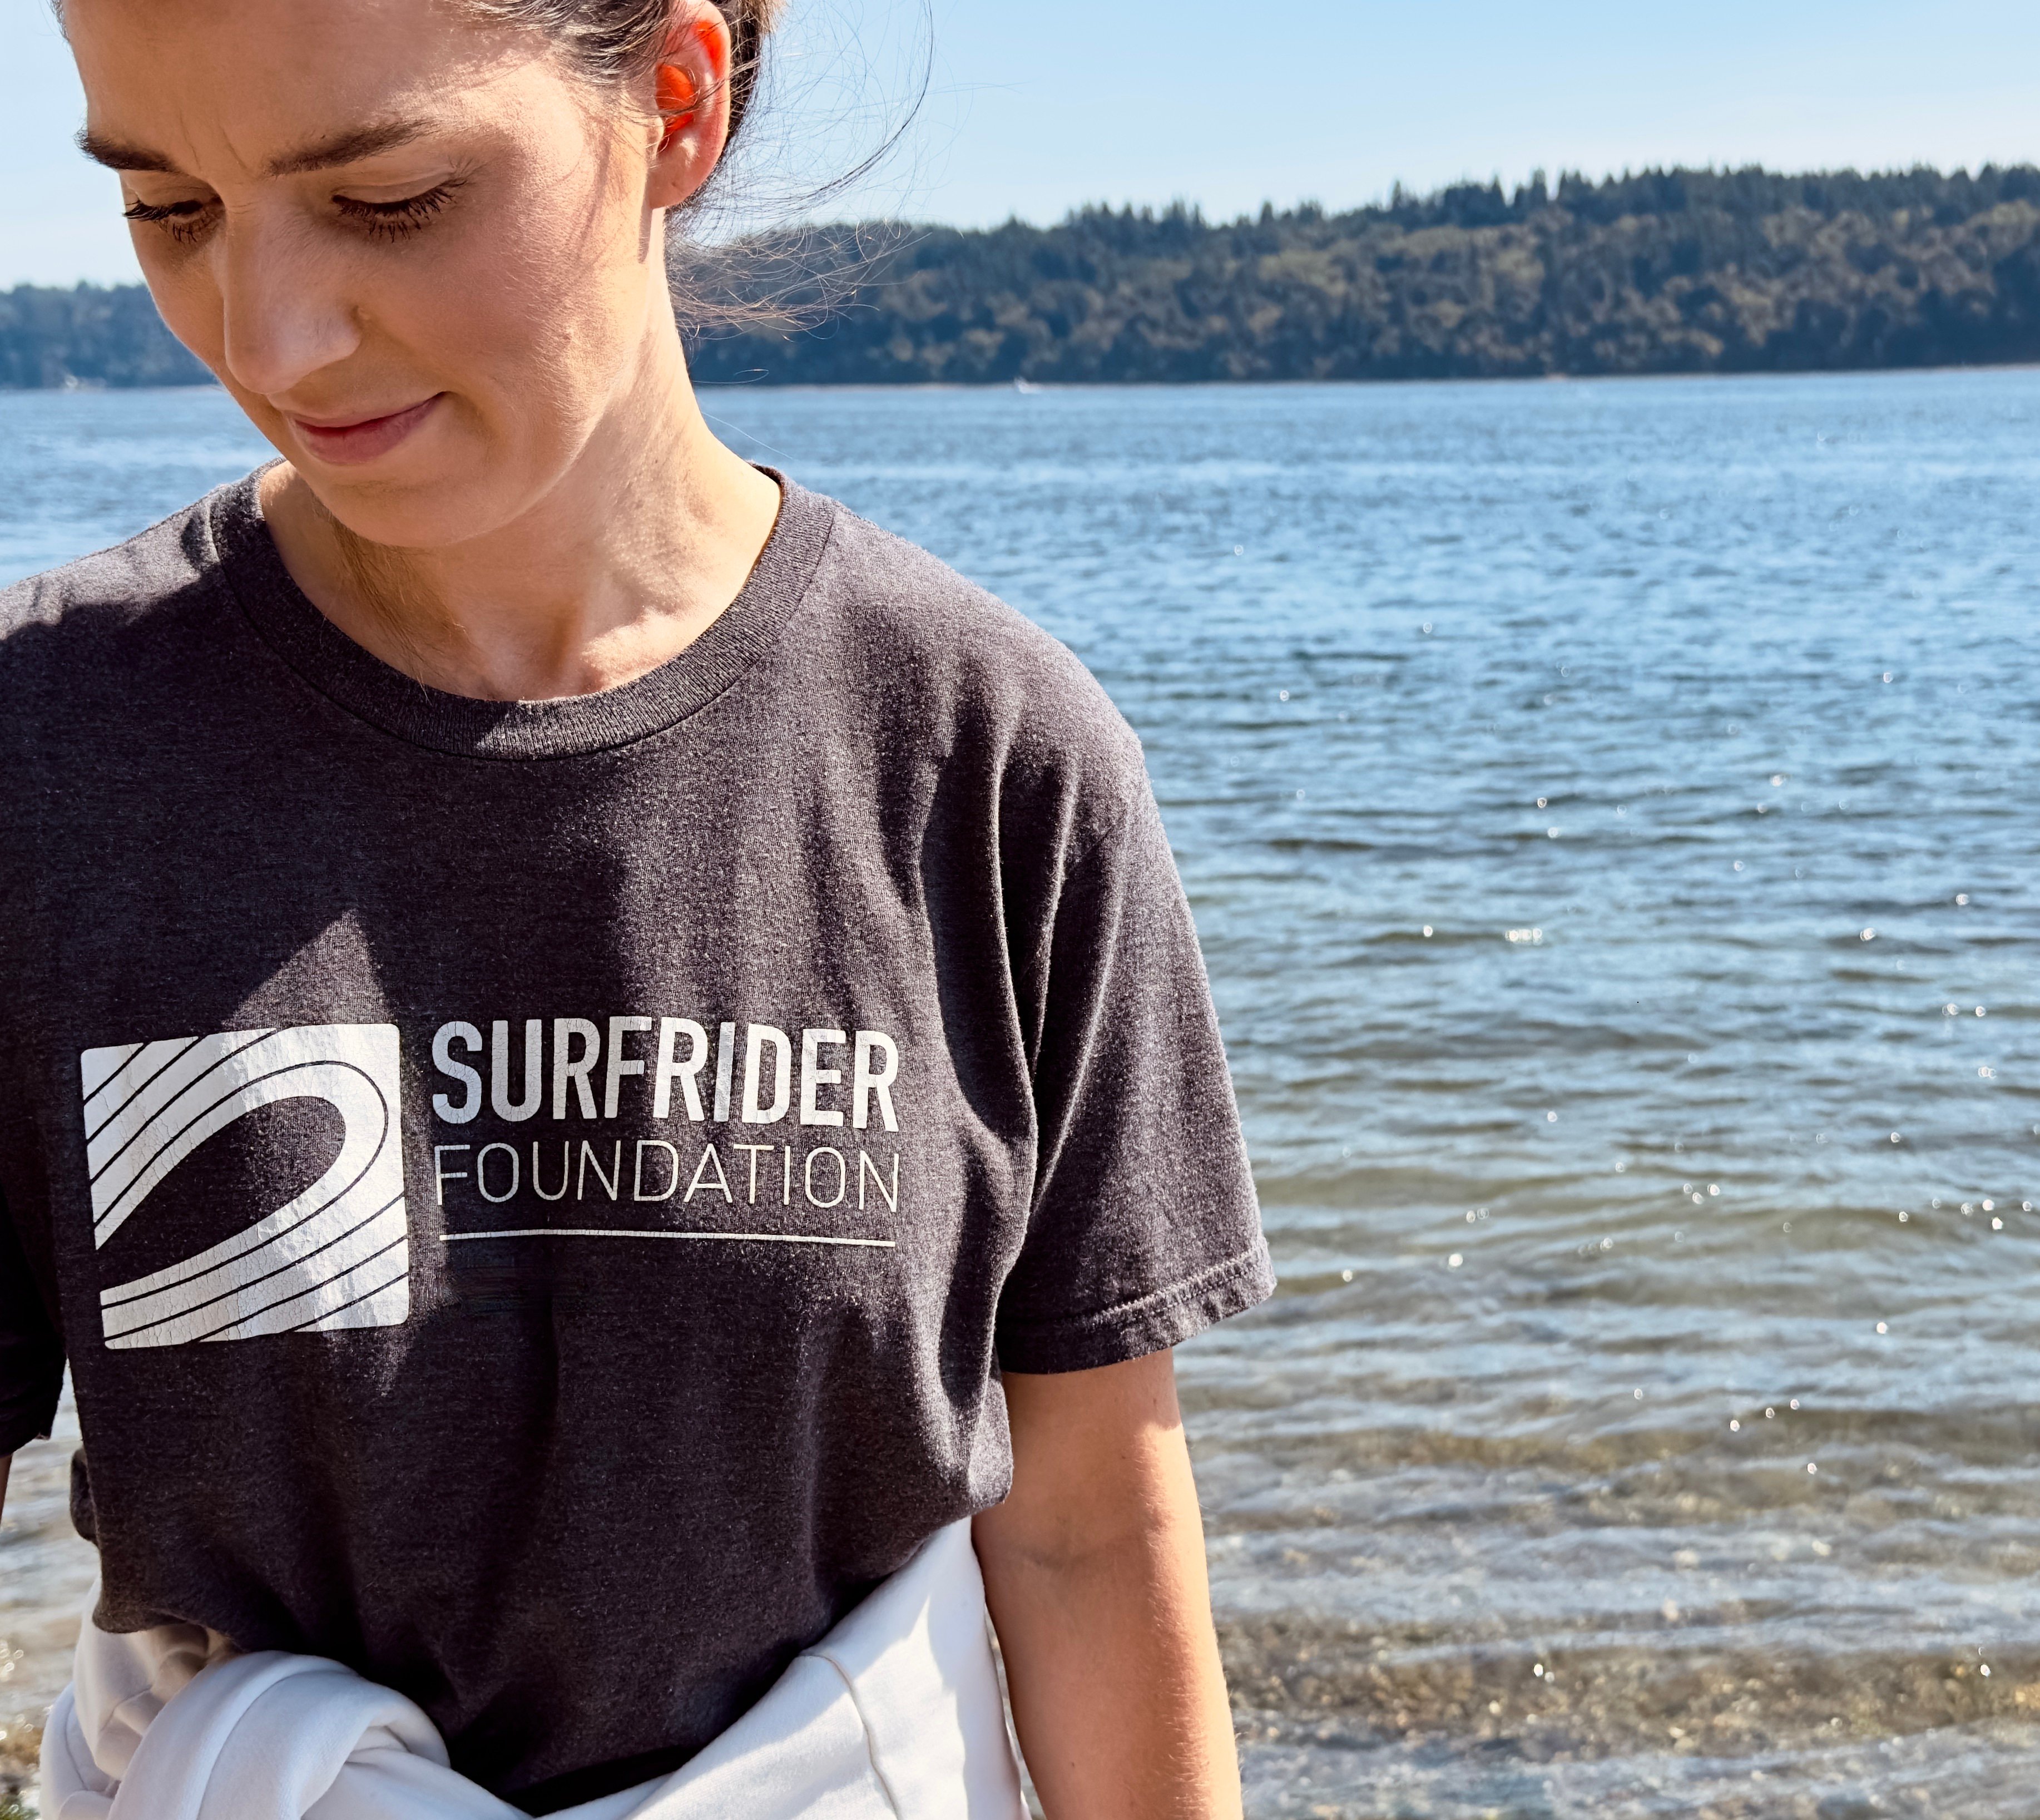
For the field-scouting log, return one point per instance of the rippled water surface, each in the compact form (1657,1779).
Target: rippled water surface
(1609,811)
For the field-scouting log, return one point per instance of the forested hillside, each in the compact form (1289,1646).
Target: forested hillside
(89,337)
(1670,272)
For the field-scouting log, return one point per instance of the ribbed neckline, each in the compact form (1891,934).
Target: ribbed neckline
(361,682)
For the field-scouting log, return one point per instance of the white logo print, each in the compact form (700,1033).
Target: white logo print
(337,1255)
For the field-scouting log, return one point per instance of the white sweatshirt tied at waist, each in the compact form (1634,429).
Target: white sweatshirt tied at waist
(895,1714)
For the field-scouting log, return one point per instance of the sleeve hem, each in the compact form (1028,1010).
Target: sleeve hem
(19,1427)
(1150,1323)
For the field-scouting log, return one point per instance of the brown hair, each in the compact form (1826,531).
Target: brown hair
(611,42)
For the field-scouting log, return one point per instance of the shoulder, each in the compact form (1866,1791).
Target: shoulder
(938,658)
(119,584)
(62,629)
(117,647)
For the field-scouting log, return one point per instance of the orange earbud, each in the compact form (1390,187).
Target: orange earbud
(676,101)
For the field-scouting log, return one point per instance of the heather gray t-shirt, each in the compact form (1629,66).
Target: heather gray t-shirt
(535,1197)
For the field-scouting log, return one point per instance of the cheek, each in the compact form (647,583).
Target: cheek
(180,281)
(557,315)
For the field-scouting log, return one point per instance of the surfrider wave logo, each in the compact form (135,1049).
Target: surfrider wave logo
(335,1256)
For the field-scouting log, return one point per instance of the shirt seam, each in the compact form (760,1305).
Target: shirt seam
(1087,854)
(1186,1288)
(1067,887)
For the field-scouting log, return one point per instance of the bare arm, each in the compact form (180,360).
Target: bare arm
(1094,1572)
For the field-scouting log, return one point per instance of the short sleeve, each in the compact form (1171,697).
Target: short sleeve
(31,1359)
(1144,1228)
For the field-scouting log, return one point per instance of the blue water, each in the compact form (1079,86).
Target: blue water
(1608,809)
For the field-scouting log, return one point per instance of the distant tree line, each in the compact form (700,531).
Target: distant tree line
(89,336)
(1666,272)
(1669,271)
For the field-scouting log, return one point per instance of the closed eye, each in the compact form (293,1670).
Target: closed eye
(183,221)
(393,220)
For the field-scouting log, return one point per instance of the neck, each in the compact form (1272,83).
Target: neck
(636,551)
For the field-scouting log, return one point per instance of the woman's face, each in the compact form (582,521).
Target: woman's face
(422,256)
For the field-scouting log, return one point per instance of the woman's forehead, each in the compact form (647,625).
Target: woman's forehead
(276,87)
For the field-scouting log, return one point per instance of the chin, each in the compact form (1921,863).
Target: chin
(413,513)
(441,486)
(437,489)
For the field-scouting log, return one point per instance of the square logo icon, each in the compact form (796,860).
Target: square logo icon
(336,1255)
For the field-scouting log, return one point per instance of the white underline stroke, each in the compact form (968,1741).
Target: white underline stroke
(619,1232)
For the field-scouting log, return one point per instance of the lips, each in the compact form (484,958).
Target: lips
(346,444)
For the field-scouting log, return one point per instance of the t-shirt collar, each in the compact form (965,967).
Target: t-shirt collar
(348,674)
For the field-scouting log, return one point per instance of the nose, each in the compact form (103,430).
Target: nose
(286,311)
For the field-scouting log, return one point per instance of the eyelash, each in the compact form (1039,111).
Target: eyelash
(185,221)
(393,220)
(181,221)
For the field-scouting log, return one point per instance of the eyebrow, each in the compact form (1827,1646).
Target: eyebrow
(119,156)
(347,147)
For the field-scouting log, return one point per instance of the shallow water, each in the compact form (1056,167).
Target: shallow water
(1606,810)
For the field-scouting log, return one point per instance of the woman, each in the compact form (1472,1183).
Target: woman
(649,1029)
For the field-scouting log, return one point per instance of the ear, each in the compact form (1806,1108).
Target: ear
(690,95)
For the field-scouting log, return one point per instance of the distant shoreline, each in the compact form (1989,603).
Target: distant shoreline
(883,388)
(1670,272)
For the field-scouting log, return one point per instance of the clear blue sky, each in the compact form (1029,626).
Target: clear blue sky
(1035,108)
